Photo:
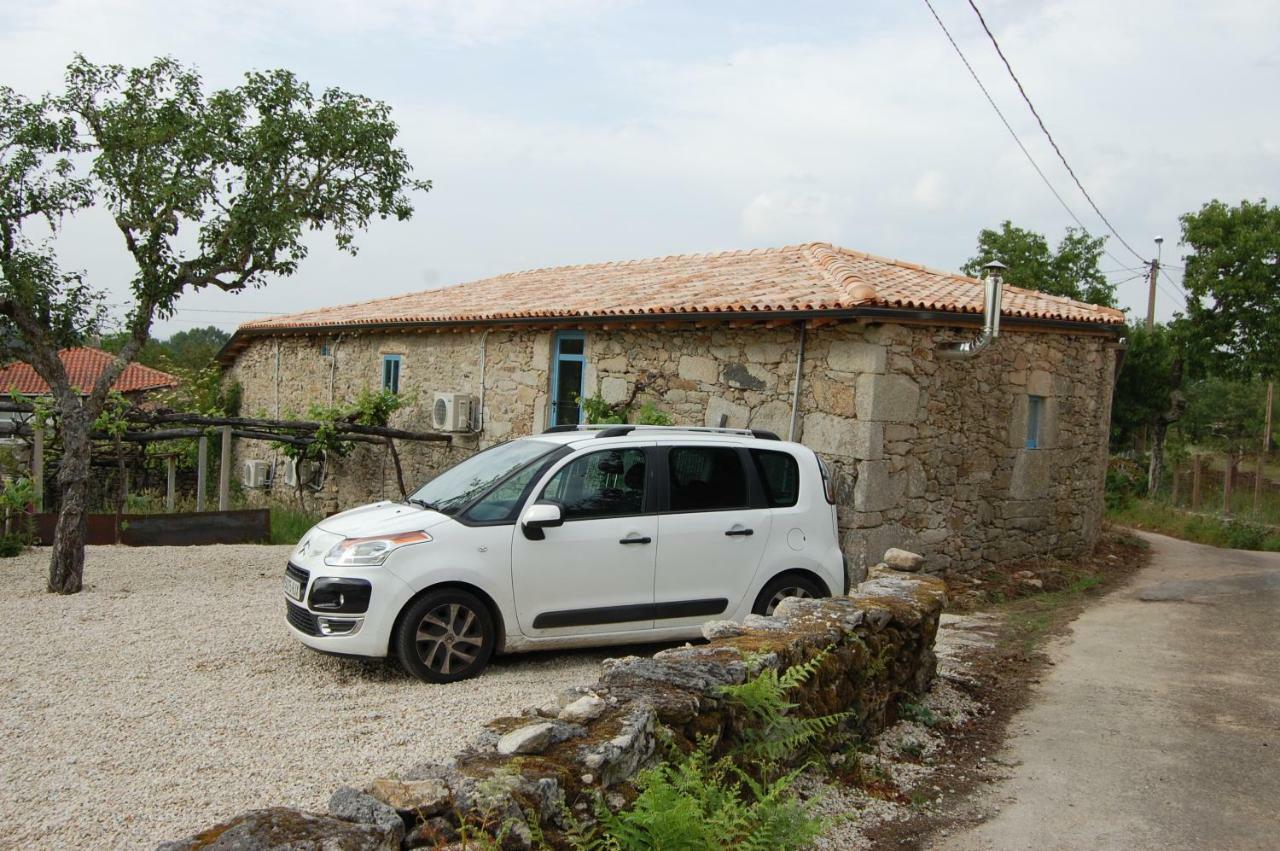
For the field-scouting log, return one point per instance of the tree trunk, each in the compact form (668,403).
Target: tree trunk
(1173,497)
(1155,471)
(1197,472)
(1228,483)
(66,564)
(395,458)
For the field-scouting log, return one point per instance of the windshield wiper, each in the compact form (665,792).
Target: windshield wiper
(422,503)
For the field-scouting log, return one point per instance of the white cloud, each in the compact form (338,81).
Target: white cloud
(787,216)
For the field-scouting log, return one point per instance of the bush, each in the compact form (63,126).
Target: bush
(1125,482)
(1244,536)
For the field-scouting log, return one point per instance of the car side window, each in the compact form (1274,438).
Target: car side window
(780,475)
(503,503)
(609,483)
(707,478)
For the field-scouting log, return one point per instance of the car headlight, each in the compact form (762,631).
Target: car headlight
(371,551)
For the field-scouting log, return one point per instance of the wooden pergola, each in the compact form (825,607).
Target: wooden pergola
(151,426)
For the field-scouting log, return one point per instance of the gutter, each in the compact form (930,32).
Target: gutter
(942,318)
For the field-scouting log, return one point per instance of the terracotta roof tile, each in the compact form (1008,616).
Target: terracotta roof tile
(811,277)
(83,366)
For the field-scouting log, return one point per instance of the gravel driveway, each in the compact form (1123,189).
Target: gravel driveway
(168,695)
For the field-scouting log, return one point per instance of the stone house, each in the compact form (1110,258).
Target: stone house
(971,461)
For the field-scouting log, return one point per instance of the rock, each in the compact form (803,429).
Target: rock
(285,829)
(416,798)
(353,805)
(711,630)
(587,708)
(758,623)
(626,753)
(432,833)
(903,559)
(524,740)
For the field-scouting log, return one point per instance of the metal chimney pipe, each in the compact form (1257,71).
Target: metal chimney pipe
(993,292)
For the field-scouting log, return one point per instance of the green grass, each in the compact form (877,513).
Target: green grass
(1235,532)
(288,524)
(1031,618)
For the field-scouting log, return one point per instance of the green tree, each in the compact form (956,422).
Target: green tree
(207,190)
(1233,286)
(193,349)
(1071,271)
(1148,397)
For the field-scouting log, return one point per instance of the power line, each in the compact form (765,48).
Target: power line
(242,312)
(1014,134)
(1049,135)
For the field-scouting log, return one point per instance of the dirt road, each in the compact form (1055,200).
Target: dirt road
(1159,724)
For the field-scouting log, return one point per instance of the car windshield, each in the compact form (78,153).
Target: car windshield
(458,486)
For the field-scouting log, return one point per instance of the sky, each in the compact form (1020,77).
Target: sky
(576,131)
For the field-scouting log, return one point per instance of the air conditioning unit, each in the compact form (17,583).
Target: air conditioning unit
(257,474)
(451,412)
(311,473)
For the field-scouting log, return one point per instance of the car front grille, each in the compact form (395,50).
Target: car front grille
(301,620)
(298,573)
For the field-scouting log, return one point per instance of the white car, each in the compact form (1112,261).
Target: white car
(580,536)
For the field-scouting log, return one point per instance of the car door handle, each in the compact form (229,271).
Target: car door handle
(743,532)
(636,539)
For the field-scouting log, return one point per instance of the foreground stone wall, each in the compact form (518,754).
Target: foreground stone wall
(927,452)
(558,758)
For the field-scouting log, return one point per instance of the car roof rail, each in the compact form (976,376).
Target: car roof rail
(615,430)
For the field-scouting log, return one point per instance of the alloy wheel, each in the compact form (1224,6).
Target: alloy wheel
(449,638)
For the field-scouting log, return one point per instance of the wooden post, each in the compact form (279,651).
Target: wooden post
(224,472)
(37,465)
(1261,474)
(171,471)
(1197,470)
(202,465)
(1177,476)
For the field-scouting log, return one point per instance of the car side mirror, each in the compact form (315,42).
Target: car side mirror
(540,516)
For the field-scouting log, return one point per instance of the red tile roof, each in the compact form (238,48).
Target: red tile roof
(83,366)
(811,277)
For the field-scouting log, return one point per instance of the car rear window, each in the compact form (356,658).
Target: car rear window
(780,475)
(707,478)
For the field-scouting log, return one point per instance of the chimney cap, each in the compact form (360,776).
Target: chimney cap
(995,266)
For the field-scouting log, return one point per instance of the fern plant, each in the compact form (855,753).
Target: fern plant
(699,803)
(773,735)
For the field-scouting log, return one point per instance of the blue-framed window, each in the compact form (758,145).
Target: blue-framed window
(1035,416)
(391,373)
(568,369)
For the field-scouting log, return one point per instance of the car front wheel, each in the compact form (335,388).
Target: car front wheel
(782,587)
(445,636)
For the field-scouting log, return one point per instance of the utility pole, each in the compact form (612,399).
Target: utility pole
(1151,295)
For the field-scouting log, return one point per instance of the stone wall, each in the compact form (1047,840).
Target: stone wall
(926,452)
(558,758)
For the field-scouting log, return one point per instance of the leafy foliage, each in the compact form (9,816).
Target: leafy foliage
(1225,414)
(184,351)
(703,803)
(599,412)
(773,734)
(1233,285)
(1071,271)
(1148,380)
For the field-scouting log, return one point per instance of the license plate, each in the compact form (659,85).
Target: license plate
(293,588)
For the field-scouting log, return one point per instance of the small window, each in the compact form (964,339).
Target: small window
(780,475)
(1035,414)
(391,373)
(707,478)
(603,484)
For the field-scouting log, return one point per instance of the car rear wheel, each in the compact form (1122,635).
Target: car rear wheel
(782,587)
(446,636)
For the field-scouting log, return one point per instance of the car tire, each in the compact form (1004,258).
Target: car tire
(445,636)
(787,585)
